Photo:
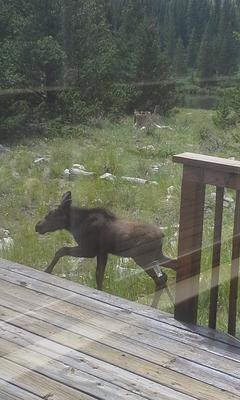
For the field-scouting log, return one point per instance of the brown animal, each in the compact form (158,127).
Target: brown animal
(98,232)
(141,118)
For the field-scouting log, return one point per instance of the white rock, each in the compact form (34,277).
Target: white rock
(6,243)
(148,147)
(67,172)
(156,167)
(164,127)
(134,180)
(108,177)
(40,160)
(79,166)
(138,181)
(152,182)
(170,190)
(78,171)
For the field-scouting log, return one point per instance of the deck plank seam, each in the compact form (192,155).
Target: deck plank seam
(190,328)
(187,329)
(164,366)
(160,334)
(167,352)
(57,312)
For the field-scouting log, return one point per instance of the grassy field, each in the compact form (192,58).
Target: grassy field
(28,190)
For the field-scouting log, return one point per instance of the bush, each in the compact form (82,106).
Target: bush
(119,99)
(73,108)
(227,113)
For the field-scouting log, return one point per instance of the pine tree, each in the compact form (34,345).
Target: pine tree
(206,64)
(180,59)
(192,50)
(42,56)
(227,54)
(170,32)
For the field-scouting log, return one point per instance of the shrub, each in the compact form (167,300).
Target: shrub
(227,113)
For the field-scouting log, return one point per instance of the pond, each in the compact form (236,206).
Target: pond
(206,102)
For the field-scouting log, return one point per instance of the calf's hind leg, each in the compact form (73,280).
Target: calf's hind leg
(160,284)
(159,278)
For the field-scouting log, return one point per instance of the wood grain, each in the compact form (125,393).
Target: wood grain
(208,162)
(50,330)
(118,307)
(189,249)
(217,237)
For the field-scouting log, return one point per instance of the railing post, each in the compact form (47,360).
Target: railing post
(233,292)
(189,247)
(198,171)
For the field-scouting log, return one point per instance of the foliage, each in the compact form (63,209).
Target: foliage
(76,59)
(228,109)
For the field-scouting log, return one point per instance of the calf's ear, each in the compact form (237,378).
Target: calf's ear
(66,200)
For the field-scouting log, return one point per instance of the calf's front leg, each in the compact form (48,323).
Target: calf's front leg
(101,265)
(64,251)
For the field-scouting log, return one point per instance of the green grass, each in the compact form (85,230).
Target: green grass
(28,191)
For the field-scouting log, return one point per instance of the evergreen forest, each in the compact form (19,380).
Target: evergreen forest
(76,58)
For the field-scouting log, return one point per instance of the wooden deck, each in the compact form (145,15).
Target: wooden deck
(62,341)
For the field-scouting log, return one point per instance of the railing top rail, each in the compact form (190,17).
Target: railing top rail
(202,161)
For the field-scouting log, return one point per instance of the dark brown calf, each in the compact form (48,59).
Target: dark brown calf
(98,232)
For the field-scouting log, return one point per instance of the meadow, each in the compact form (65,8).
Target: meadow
(29,188)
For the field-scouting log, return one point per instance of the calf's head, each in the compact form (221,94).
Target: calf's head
(56,219)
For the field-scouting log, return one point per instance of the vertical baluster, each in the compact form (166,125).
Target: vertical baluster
(216,257)
(233,294)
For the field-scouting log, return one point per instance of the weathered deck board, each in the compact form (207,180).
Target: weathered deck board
(120,305)
(78,342)
(71,361)
(122,333)
(9,391)
(119,308)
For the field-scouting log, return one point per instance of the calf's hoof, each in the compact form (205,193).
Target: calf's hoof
(47,270)
(162,283)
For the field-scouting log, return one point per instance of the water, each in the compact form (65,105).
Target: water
(205,102)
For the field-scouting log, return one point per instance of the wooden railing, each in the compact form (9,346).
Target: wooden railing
(199,171)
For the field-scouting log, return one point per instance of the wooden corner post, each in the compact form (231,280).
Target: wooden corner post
(198,171)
